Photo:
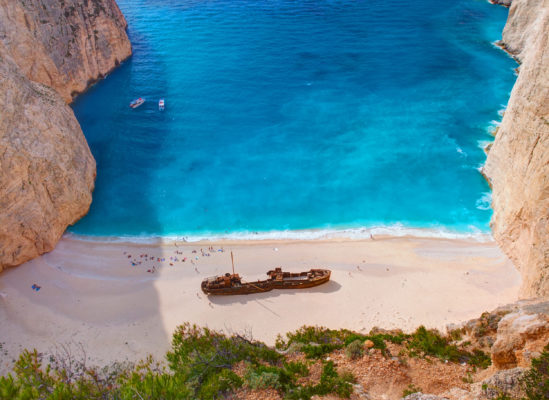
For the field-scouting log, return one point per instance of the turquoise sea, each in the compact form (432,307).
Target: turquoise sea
(287,115)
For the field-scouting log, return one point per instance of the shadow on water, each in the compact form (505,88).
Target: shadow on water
(329,287)
(125,143)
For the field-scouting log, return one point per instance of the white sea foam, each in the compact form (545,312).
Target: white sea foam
(483,144)
(460,151)
(396,230)
(484,202)
(494,124)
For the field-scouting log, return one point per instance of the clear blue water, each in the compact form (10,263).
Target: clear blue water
(290,115)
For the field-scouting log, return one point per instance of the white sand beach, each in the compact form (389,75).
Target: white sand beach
(91,294)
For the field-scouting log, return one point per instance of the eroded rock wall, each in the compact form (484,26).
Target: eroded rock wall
(65,44)
(46,169)
(518,161)
(47,172)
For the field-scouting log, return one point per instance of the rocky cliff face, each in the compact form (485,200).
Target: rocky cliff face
(65,44)
(518,161)
(46,169)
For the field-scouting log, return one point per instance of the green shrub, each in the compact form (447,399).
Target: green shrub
(30,380)
(354,350)
(199,367)
(297,368)
(295,347)
(378,340)
(411,389)
(151,384)
(200,355)
(263,380)
(479,359)
(456,334)
(429,342)
(536,381)
(315,342)
(218,384)
(425,342)
(503,396)
(330,383)
(353,337)
(318,350)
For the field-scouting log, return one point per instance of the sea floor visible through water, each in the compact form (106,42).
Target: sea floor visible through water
(287,116)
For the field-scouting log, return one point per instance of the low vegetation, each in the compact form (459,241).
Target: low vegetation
(200,366)
(205,364)
(411,389)
(425,342)
(316,342)
(536,380)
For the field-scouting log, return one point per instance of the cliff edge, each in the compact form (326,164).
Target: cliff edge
(46,168)
(50,50)
(64,44)
(518,161)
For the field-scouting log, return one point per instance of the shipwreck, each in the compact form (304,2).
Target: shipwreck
(277,279)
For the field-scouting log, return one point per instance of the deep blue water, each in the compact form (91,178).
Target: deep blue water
(290,115)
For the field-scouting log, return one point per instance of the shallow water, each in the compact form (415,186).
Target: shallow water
(290,115)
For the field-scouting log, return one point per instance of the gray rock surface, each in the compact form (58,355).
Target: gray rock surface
(504,382)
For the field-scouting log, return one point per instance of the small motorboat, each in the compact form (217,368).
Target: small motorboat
(137,102)
(232,283)
(161,104)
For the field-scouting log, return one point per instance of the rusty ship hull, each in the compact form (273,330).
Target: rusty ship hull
(233,285)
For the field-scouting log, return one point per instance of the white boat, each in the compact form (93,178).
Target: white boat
(137,102)
(161,104)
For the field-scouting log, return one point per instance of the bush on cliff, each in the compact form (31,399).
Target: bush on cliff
(200,366)
(316,342)
(354,350)
(536,380)
(424,342)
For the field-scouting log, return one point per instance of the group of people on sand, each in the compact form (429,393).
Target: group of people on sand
(136,261)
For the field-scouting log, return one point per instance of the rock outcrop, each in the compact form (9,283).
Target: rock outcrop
(513,334)
(505,3)
(46,169)
(518,161)
(506,381)
(47,172)
(520,337)
(64,44)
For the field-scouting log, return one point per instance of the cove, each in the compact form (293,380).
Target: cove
(297,115)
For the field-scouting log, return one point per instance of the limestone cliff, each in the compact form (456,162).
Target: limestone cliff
(518,161)
(46,169)
(65,44)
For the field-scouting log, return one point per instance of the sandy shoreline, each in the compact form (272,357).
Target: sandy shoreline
(92,294)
